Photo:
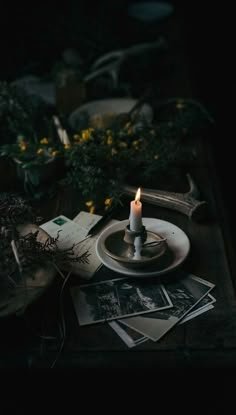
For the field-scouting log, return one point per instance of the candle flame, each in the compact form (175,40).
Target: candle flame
(138,195)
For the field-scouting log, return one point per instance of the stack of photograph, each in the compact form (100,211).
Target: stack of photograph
(142,309)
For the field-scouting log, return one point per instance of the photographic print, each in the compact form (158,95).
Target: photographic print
(204,305)
(184,294)
(129,336)
(132,338)
(117,298)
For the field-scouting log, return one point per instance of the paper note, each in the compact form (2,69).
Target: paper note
(76,232)
(71,233)
(86,220)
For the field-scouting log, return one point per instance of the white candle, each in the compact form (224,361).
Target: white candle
(138,246)
(62,133)
(135,219)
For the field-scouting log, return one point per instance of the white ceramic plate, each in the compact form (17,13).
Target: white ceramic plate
(109,106)
(178,243)
(150,11)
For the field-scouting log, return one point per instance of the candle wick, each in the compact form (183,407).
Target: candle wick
(136,202)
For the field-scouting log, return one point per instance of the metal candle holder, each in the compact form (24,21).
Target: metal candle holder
(130,235)
(122,246)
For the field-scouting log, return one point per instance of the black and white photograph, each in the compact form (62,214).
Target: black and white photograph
(203,306)
(118,298)
(129,336)
(184,294)
(132,338)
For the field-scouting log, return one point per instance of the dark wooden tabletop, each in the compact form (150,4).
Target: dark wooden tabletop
(206,341)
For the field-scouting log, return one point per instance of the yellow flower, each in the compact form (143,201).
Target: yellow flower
(22,146)
(91,206)
(44,141)
(66,146)
(86,134)
(108,201)
(40,151)
(135,144)
(109,140)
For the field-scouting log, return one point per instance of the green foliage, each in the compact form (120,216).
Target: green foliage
(30,153)
(31,251)
(14,210)
(34,160)
(19,114)
(100,160)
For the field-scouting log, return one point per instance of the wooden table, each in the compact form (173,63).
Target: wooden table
(206,341)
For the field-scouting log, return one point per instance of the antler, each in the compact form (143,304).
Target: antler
(111,62)
(186,203)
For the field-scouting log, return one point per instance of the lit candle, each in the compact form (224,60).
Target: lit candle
(135,219)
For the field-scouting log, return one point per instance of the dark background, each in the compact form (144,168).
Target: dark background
(34,35)
(209,30)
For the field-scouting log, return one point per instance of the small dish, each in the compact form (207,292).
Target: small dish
(100,113)
(176,253)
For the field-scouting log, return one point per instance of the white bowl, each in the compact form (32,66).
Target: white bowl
(150,11)
(101,111)
(177,241)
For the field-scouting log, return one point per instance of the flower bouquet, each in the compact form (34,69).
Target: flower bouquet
(36,161)
(101,160)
